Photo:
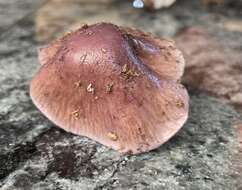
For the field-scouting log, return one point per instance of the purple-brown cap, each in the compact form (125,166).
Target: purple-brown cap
(115,85)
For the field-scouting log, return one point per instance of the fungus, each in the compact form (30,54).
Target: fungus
(136,116)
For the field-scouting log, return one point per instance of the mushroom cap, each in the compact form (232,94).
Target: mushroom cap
(117,86)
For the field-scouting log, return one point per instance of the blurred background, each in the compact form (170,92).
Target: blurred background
(54,17)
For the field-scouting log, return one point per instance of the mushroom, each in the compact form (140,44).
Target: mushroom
(118,86)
